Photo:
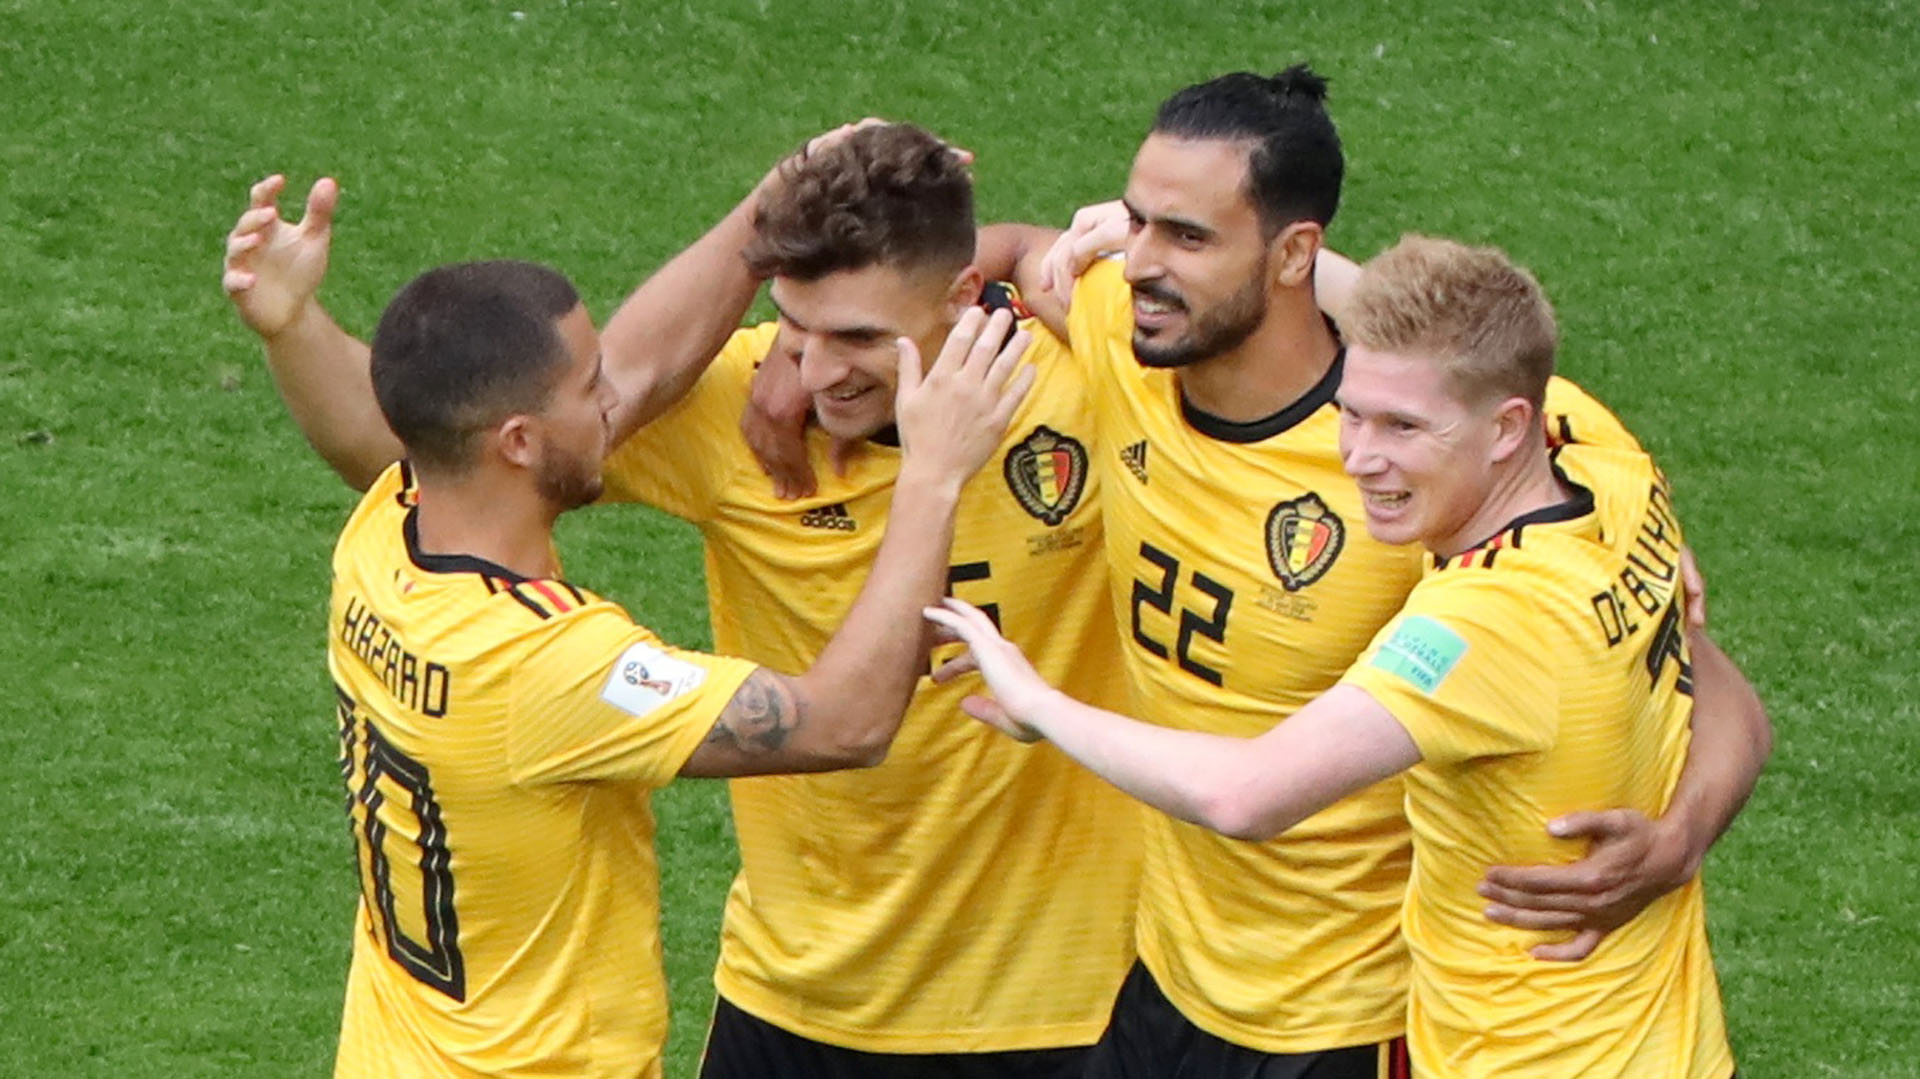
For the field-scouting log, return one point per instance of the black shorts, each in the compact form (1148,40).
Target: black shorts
(1148,1038)
(742,1046)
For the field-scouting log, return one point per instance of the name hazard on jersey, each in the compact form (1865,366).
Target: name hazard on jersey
(422,685)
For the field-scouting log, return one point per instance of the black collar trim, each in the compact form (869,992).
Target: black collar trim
(1571,509)
(1267,427)
(450,563)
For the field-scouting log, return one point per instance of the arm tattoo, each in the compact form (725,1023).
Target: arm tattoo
(762,713)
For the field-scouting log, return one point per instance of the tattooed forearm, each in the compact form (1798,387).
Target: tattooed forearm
(762,713)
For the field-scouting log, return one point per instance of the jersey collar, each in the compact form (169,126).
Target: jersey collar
(1268,426)
(449,563)
(1577,505)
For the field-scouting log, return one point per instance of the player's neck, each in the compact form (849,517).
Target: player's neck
(1524,484)
(510,526)
(1285,356)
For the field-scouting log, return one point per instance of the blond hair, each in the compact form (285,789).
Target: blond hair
(1470,309)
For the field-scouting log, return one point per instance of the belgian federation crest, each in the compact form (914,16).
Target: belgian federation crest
(1303,539)
(1047,473)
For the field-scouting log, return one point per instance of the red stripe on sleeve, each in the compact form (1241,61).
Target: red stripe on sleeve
(553,597)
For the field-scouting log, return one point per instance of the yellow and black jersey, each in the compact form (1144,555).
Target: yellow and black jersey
(1244,584)
(500,737)
(1542,672)
(970,894)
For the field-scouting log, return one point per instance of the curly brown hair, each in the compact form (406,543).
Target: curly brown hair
(891,194)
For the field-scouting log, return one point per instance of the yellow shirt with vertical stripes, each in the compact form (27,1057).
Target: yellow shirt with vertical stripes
(1244,584)
(970,894)
(1545,671)
(500,737)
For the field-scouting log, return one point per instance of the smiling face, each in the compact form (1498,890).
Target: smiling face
(1197,256)
(1424,457)
(842,328)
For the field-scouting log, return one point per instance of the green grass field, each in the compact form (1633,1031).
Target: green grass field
(1713,193)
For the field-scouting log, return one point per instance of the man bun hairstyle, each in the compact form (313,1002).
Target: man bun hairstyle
(1294,161)
(889,194)
(461,348)
(1471,309)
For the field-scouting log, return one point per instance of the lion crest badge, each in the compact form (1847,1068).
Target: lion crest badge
(1047,472)
(1303,539)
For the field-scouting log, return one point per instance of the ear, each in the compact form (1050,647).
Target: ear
(1291,254)
(516,441)
(964,291)
(1515,422)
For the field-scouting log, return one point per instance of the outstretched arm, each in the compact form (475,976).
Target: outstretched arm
(1633,860)
(1256,788)
(272,274)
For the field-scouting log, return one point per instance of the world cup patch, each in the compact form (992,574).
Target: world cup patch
(644,678)
(1047,473)
(1422,651)
(1304,538)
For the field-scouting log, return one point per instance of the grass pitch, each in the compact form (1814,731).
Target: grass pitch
(1718,196)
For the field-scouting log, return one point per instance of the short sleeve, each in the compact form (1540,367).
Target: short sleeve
(683,460)
(1465,670)
(597,697)
(1575,416)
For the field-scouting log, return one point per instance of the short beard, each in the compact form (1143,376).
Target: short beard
(562,483)
(1225,328)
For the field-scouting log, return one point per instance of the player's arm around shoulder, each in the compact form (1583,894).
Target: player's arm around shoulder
(1045,264)
(683,459)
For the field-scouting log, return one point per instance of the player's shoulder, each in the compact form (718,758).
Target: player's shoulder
(1575,416)
(1102,302)
(382,508)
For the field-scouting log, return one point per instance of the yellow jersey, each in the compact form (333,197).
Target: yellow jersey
(500,737)
(1245,584)
(1542,672)
(970,894)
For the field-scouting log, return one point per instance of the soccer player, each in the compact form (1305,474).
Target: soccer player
(1539,665)
(502,730)
(965,907)
(1244,589)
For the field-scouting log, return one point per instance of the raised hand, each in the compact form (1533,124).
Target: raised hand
(953,414)
(273,267)
(1096,229)
(1016,687)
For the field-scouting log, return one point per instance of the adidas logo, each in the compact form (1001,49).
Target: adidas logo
(1135,457)
(835,517)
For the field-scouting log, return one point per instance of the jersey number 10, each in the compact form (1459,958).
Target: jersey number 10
(390,783)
